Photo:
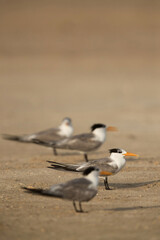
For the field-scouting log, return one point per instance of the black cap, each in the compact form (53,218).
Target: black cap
(115,150)
(97,125)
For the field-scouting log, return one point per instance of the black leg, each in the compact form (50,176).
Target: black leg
(75,208)
(106,184)
(80,207)
(86,157)
(55,152)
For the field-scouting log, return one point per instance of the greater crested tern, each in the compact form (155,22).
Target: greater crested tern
(77,190)
(85,142)
(108,166)
(64,131)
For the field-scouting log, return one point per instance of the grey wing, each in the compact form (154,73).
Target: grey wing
(43,137)
(83,142)
(78,190)
(56,190)
(104,164)
(48,135)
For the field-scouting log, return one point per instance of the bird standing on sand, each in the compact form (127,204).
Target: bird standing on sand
(64,131)
(108,166)
(84,143)
(76,190)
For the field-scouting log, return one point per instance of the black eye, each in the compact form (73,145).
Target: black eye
(119,151)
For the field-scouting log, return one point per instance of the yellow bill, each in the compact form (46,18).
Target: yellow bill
(112,129)
(131,154)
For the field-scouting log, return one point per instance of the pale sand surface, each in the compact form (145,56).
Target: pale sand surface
(94,61)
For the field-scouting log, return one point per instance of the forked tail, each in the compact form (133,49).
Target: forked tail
(34,190)
(40,191)
(63,166)
(13,137)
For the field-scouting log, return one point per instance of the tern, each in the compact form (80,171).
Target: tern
(108,166)
(64,131)
(85,142)
(77,190)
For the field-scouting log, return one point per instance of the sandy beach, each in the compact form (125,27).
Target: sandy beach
(93,61)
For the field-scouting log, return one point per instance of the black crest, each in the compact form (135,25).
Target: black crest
(89,170)
(97,125)
(115,150)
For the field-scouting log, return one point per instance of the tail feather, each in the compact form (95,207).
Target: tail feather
(40,191)
(34,190)
(63,167)
(12,137)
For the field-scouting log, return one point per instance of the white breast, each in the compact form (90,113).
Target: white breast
(118,159)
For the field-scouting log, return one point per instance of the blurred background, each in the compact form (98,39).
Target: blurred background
(93,61)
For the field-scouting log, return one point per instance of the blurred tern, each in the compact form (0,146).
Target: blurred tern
(64,131)
(83,143)
(80,189)
(108,166)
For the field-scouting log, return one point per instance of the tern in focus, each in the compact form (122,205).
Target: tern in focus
(77,190)
(108,166)
(64,131)
(85,142)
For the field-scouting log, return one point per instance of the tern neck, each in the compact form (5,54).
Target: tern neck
(94,178)
(65,130)
(100,134)
(118,159)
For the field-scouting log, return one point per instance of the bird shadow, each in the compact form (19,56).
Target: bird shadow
(130,185)
(130,208)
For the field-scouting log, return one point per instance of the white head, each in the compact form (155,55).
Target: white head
(92,174)
(66,128)
(99,130)
(118,155)
(117,152)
